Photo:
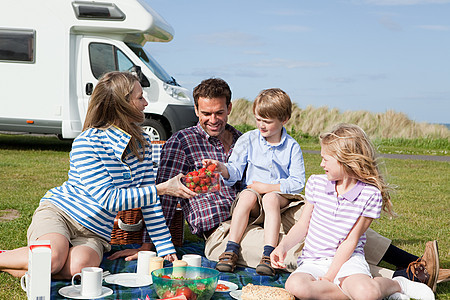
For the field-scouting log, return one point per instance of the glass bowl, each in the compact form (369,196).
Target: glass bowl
(196,283)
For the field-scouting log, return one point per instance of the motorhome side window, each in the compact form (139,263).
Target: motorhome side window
(106,58)
(17,45)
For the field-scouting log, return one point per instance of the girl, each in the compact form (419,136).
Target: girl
(340,207)
(110,170)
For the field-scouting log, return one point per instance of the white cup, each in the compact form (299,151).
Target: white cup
(91,281)
(192,260)
(25,282)
(143,262)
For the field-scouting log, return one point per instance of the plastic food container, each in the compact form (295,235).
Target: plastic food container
(202,182)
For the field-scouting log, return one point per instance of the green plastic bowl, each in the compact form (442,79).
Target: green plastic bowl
(196,283)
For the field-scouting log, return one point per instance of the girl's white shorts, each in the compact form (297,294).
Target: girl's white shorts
(356,264)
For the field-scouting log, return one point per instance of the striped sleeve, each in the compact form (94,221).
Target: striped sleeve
(373,205)
(89,162)
(157,229)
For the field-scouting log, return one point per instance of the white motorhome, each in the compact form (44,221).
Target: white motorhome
(53,52)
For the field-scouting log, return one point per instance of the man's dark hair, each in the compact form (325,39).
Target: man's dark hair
(212,88)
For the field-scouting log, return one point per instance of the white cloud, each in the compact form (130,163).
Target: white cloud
(291,28)
(341,79)
(290,64)
(389,23)
(286,13)
(254,52)
(404,2)
(435,27)
(231,38)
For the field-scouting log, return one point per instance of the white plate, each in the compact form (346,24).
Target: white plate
(231,286)
(129,279)
(236,294)
(75,293)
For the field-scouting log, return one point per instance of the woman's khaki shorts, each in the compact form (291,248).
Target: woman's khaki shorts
(50,219)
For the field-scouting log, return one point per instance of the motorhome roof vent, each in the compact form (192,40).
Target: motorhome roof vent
(97,11)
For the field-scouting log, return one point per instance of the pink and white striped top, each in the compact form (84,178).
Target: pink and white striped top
(333,216)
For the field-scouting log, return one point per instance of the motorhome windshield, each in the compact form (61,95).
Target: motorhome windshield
(145,57)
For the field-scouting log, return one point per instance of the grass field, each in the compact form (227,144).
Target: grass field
(31,165)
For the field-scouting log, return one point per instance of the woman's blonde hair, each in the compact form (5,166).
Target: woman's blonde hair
(110,105)
(350,146)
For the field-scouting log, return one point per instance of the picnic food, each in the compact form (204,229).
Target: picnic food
(197,283)
(261,292)
(204,180)
(222,287)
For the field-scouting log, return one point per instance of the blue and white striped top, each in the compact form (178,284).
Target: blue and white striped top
(103,181)
(334,215)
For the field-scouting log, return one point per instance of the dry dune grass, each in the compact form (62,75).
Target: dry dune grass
(314,121)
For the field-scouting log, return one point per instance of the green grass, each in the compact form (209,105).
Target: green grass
(29,166)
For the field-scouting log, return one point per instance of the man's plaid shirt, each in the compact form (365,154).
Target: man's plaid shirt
(183,153)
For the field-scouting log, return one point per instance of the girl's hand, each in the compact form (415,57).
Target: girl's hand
(325,278)
(277,258)
(171,257)
(174,187)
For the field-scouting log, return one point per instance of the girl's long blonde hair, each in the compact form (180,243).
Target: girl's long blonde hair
(110,105)
(351,147)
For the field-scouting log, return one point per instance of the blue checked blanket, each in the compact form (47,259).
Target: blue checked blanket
(241,276)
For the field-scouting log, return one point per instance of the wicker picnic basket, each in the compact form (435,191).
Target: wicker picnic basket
(129,227)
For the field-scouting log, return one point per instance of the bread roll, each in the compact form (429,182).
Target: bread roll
(261,292)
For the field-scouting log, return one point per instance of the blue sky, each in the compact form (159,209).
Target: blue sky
(372,55)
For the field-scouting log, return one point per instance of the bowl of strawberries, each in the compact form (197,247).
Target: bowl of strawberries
(203,180)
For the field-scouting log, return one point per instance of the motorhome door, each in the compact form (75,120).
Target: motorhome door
(97,56)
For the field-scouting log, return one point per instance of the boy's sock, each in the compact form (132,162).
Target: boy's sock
(407,274)
(397,257)
(267,250)
(232,247)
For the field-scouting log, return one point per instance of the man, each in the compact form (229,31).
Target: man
(214,138)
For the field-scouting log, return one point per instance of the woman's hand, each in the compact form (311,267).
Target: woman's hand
(171,257)
(130,254)
(174,187)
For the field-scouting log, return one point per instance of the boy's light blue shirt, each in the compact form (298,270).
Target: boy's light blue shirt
(266,163)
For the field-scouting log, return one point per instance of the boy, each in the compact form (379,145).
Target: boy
(274,169)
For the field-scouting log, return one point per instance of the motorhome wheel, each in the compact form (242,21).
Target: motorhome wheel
(155,130)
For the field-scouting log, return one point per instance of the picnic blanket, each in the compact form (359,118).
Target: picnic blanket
(241,276)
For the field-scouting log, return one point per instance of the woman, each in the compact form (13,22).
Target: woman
(110,171)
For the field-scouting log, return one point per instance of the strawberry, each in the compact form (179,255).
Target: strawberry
(203,180)
(211,167)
